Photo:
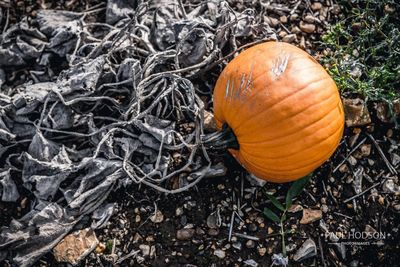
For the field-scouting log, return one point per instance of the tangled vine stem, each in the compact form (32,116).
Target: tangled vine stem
(221,140)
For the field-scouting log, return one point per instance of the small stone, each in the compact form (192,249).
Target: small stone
(294,17)
(389,133)
(150,238)
(365,150)
(24,201)
(185,234)
(145,249)
(295,208)
(282,34)
(391,187)
(273,22)
(303,42)
(307,250)
(352,160)
(310,216)
(324,208)
(356,112)
(316,6)
(269,230)
(395,159)
(75,246)
(343,168)
(212,220)
(295,30)
(209,122)
(137,218)
(137,237)
(237,245)
(262,251)
(250,244)
(158,217)
(283,19)
(152,251)
(382,111)
(289,38)
(309,19)
(200,231)
(179,211)
(220,253)
(307,27)
(213,232)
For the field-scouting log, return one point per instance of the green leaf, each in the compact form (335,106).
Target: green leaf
(296,188)
(271,215)
(275,202)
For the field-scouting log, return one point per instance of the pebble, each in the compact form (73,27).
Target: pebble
(179,211)
(294,17)
(295,208)
(283,19)
(310,216)
(158,217)
(150,238)
(137,237)
(212,220)
(213,232)
(185,234)
(269,230)
(237,245)
(220,253)
(307,27)
(273,22)
(295,30)
(324,208)
(316,6)
(365,150)
(200,231)
(75,246)
(307,250)
(250,244)
(209,122)
(356,112)
(145,249)
(289,38)
(309,19)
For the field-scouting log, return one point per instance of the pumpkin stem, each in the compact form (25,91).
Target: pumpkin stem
(221,140)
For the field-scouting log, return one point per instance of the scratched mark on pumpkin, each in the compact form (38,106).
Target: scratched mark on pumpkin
(279,65)
(244,89)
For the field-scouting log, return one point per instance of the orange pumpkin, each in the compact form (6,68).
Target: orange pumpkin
(284,109)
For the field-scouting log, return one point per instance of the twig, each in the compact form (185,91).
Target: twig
(390,166)
(295,7)
(246,236)
(129,255)
(343,215)
(348,155)
(362,193)
(231,226)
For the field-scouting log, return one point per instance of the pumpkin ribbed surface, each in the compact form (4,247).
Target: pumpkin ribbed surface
(284,109)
